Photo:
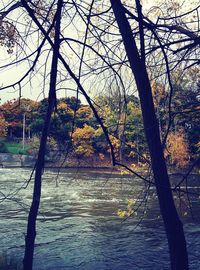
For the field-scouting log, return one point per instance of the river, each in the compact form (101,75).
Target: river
(78,226)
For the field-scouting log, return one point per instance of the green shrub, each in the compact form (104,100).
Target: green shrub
(15,148)
(3,148)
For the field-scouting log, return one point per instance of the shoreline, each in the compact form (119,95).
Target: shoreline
(99,170)
(8,161)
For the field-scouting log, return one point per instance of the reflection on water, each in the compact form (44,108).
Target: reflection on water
(78,227)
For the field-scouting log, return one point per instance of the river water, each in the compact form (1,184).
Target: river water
(78,225)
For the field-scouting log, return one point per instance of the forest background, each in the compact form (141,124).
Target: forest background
(25,117)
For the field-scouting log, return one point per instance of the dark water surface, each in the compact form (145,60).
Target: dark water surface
(78,226)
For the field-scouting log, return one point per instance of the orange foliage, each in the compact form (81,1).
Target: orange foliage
(177,149)
(84,112)
(116,145)
(64,107)
(3,127)
(82,141)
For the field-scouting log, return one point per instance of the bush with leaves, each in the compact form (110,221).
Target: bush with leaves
(82,141)
(177,149)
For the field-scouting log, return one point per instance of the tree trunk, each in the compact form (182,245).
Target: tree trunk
(172,223)
(31,227)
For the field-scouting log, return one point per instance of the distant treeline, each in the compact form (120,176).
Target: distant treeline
(74,128)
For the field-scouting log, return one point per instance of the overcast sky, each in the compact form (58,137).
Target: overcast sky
(34,90)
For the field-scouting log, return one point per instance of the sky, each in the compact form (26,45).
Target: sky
(34,90)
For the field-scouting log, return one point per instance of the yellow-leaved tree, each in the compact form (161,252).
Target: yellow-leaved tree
(3,127)
(82,141)
(177,149)
(116,145)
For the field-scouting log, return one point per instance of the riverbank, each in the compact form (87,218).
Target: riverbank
(8,160)
(16,160)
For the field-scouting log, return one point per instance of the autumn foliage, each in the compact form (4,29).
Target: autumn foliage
(177,149)
(3,127)
(82,141)
(74,127)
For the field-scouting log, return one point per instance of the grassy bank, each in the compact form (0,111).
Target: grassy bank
(13,148)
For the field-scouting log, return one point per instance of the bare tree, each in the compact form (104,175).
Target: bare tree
(173,225)
(31,227)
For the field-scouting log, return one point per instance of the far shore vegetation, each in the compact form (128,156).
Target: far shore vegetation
(75,131)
